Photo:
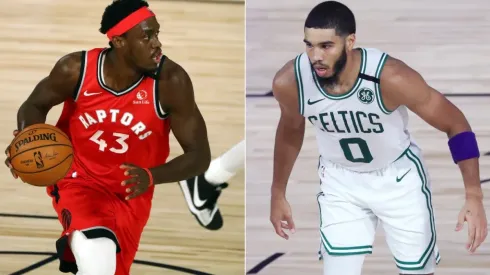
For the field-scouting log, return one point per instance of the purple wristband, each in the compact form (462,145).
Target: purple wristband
(463,146)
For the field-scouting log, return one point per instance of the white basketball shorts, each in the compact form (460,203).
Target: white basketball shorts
(398,197)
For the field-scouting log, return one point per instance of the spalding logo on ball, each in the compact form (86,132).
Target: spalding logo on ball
(41,154)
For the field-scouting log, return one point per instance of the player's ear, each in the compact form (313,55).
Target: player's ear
(350,40)
(118,41)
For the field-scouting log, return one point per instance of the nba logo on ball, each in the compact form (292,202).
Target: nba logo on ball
(141,97)
(39,159)
(365,95)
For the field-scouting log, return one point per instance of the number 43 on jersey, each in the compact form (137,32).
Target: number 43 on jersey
(121,148)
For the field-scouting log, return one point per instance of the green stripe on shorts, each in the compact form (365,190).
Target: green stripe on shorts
(420,264)
(341,251)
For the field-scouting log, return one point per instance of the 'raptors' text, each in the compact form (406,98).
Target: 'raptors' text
(115,116)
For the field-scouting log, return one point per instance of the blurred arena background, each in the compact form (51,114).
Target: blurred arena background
(207,39)
(445,42)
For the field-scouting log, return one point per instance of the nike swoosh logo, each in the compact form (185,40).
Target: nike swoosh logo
(313,102)
(197,201)
(400,179)
(86,93)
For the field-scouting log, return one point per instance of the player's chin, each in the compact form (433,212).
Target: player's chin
(150,67)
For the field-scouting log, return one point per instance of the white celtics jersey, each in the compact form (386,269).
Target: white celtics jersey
(354,129)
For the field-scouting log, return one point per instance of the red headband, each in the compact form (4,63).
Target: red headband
(130,21)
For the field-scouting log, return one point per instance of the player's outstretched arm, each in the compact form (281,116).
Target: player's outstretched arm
(57,87)
(401,85)
(188,126)
(289,140)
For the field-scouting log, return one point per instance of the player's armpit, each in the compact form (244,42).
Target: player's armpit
(187,124)
(401,85)
(57,87)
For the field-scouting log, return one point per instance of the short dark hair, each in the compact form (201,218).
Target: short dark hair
(117,11)
(332,15)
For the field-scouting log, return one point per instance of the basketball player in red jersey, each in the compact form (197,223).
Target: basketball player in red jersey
(120,104)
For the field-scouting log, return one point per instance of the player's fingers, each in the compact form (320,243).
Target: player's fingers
(480,233)
(137,192)
(471,234)
(7,162)
(461,218)
(7,151)
(14,174)
(485,231)
(279,231)
(9,165)
(15,132)
(291,225)
(131,189)
(132,172)
(284,225)
(128,166)
(477,241)
(129,181)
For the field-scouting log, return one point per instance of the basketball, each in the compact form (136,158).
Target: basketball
(41,154)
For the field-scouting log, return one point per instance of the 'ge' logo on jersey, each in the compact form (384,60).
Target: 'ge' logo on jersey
(365,95)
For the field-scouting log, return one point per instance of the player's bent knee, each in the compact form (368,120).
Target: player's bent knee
(344,264)
(93,256)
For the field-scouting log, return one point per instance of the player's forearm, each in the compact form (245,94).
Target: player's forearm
(28,114)
(286,150)
(183,167)
(471,177)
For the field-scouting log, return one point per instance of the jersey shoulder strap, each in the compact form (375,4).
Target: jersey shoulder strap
(375,60)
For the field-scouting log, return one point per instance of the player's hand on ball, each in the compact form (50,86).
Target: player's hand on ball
(7,160)
(139,180)
(473,213)
(281,216)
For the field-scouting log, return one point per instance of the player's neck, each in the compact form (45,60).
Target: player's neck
(348,76)
(119,73)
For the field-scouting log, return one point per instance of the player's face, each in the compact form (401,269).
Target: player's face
(143,47)
(327,52)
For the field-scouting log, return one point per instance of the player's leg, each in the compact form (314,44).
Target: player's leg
(407,215)
(93,256)
(202,192)
(227,165)
(347,226)
(131,217)
(88,244)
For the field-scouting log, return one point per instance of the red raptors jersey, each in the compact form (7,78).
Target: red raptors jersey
(108,128)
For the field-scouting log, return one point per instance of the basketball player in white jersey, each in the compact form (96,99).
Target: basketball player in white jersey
(202,192)
(370,169)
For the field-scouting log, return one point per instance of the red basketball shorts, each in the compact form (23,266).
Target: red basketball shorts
(87,207)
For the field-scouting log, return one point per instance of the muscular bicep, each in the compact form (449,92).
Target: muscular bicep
(405,86)
(59,85)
